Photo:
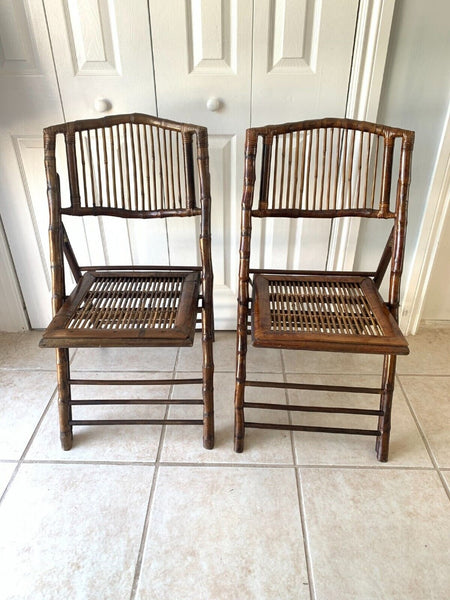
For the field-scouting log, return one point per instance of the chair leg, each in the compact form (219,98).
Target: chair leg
(208,383)
(64,408)
(384,421)
(241,358)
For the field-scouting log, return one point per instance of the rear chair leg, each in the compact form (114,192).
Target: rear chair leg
(239,421)
(208,391)
(64,408)
(384,420)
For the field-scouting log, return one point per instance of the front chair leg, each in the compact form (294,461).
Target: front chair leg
(384,420)
(64,408)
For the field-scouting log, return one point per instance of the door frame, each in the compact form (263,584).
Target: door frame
(373,28)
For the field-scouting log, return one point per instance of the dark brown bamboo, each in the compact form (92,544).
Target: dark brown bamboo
(384,421)
(243,291)
(136,305)
(136,422)
(70,256)
(316,310)
(312,428)
(73,171)
(319,409)
(189,169)
(207,289)
(137,401)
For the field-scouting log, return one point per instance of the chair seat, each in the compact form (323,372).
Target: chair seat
(323,312)
(132,308)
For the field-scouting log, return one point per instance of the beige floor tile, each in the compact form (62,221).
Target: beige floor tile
(23,398)
(430,400)
(298,361)
(429,352)
(183,444)
(21,351)
(125,359)
(376,534)
(6,470)
(72,531)
(107,442)
(406,446)
(224,534)
(224,349)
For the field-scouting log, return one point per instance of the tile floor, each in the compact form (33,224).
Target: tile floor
(146,513)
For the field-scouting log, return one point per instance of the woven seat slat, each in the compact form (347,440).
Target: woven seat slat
(315,306)
(308,311)
(129,303)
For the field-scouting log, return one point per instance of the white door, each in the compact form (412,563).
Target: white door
(29,100)
(202,56)
(302,55)
(226,64)
(103,58)
(232,64)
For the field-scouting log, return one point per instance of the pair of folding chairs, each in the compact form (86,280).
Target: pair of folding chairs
(141,167)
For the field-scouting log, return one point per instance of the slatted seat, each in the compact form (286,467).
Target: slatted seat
(340,313)
(134,309)
(323,169)
(129,167)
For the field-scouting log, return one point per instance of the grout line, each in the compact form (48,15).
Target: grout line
(438,375)
(301,508)
(105,463)
(230,465)
(28,369)
(425,439)
(308,557)
(140,557)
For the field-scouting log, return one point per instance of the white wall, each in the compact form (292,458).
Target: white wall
(415,95)
(437,300)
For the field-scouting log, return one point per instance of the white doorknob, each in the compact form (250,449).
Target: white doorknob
(213,104)
(102,105)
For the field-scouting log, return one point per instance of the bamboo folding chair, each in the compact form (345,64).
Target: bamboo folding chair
(129,166)
(327,168)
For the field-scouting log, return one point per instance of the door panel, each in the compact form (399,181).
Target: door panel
(202,52)
(103,58)
(29,100)
(102,50)
(302,52)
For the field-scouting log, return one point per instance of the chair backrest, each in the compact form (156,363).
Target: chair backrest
(131,166)
(327,168)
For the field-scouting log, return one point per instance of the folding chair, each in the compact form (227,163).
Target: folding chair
(135,167)
(326,168)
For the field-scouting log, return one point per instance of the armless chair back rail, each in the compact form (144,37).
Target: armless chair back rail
(135,167)
(327,168)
